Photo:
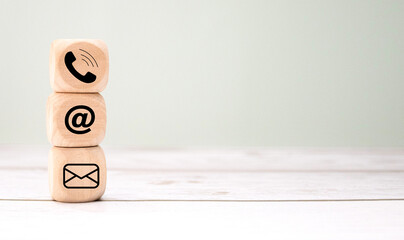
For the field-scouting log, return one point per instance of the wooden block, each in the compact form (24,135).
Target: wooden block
(76,120)
(78,65)
(77,174)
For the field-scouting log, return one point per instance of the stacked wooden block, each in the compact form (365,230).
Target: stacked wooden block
(76,119)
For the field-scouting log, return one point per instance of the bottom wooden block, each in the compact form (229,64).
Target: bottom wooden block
(77,174)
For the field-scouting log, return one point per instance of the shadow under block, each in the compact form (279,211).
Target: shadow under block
(76,120)
(78,65)
(77,174)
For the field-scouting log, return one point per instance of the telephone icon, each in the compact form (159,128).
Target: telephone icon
(86,78)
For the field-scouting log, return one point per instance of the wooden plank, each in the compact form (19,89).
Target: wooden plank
(244,159)
(205,185)
(202,220)
(232,174)
(142,184)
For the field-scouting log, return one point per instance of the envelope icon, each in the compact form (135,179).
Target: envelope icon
(81,175)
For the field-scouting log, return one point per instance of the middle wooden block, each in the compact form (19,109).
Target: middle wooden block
(76,120)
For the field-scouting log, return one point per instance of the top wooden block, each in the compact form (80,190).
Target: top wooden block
(78,65)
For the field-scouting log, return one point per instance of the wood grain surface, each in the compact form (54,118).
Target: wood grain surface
(198,193)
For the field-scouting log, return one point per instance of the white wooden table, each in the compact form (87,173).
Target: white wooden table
(251,193)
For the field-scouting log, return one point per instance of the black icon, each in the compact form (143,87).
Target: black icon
(81,175)
(83,119)
(70,58)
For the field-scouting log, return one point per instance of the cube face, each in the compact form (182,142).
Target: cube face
(78,65)
(76,120)
(77,174)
